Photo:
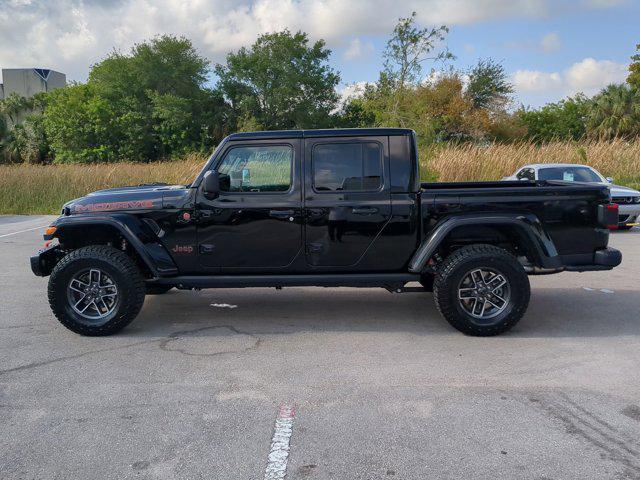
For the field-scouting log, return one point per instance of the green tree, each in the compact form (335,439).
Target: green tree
(489,85)
(3,129)
(28,142)
(149,104)
(12,106)
(408,48)
(81,126)
(564,120)
(282,81)
(164,65)
(355,114)
(615,113)
(634,69)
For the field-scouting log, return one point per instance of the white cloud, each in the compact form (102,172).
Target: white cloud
(587,76)
(591,75)
(352,90)
(349,91)
(537,81)
(70,35)
(358,50)
(550,42)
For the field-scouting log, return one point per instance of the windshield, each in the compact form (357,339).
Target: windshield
(569,174)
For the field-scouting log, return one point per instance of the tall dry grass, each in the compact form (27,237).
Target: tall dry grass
(32,189)
(617,159)
(39,189)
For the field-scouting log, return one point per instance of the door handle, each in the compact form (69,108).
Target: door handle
(281,213)
(364,211)
(315,212)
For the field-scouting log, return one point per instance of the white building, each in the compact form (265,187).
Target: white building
(26,82)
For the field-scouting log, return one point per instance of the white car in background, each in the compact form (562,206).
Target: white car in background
(627,199)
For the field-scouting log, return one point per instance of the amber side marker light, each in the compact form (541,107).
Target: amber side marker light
(50,230)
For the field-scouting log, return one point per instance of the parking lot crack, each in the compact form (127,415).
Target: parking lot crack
(210,341)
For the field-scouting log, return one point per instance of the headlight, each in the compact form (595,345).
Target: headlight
(636,199)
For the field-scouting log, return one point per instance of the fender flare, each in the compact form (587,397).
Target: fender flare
(154,255)
(528,227)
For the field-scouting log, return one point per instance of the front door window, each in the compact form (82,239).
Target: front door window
(263,168)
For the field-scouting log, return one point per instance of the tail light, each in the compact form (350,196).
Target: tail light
(608,216)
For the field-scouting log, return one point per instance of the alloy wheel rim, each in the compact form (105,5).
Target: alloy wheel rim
(484,293)
(92,294)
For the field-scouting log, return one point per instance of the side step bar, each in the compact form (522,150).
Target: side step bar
(384,280)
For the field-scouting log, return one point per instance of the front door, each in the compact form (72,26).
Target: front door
(256,222)
(347,198)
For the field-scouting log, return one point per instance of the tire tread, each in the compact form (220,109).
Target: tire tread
(445,303)
(120,261)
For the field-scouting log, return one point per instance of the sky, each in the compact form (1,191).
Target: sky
(550,48)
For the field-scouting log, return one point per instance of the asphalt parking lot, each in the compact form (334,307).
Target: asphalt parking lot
(382,387)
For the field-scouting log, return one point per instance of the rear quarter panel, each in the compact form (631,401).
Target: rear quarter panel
(568,212)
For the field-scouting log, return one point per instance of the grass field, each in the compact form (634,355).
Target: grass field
(34,189)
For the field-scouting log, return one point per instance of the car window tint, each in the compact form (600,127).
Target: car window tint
(569,174)
(259,168)
(349,167)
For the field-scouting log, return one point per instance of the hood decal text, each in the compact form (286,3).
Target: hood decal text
(110,206)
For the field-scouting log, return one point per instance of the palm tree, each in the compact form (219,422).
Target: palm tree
(615,113)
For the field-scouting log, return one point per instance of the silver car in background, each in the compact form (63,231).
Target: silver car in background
(628,199)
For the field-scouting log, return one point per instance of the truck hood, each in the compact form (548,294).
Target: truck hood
(141,197)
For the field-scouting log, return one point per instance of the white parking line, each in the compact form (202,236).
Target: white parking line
(279,452)
(22,231)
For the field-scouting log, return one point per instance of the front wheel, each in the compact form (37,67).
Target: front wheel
(96,290)
(481,290)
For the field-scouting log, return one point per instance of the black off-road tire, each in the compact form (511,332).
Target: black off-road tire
(152,289)
(451,273)
(120,268)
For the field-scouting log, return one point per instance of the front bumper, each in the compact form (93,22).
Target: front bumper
(43,262)
(628,213)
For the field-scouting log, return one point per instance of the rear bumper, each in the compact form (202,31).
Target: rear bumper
(603,259)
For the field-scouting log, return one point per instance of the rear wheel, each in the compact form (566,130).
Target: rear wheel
(96,290)
(481,290)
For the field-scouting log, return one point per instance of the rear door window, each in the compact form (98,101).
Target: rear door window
(347,167)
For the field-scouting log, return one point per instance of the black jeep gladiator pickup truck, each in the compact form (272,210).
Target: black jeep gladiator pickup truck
(322,208)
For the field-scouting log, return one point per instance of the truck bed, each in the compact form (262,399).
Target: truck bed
(515,184)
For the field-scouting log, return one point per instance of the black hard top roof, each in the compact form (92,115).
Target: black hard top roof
(329,132)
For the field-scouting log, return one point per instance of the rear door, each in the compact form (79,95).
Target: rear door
(347,198)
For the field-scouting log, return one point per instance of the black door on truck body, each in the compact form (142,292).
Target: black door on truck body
(256,222)
(347,198)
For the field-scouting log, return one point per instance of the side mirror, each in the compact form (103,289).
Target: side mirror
(211,184)
(609,179)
